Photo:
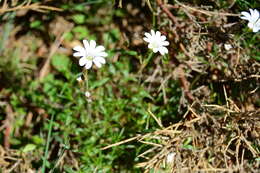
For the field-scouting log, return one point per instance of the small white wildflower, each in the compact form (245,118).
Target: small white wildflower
(87,94)
(79,79)
(90,53)
(170,157)
(228,46)
(157,42)
(253,19)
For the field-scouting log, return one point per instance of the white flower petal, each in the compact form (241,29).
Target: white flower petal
(163,50)
(254,15)
(92,44)
(148,35)
(100,49)
(158,34)
(79,54)
(258,23)
(88,64)
(246,15)
(163,38)
(152,33)
(82,61)
(97,63)
(256,28)
(256,12)
(103,54)
(100,59)
(86,44)
(165,43)
(250,25)
(251,10)
(79,48)
(146,39)
(245,18)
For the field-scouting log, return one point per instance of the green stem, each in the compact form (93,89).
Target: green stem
(154,22)
(85,73)
(149,57)
(47,144)
(146,61)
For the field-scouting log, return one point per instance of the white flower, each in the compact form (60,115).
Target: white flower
(89,54)
(79,79)
(87,94)
(157,42)
(170,157)
(228,46)
(253,19)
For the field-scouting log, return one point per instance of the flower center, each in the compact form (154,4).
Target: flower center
(90,58)
(154,45)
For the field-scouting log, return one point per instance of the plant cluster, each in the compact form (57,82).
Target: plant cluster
(129,86)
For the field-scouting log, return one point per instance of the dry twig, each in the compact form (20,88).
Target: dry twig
(167,12)
(46,67)
(8,125)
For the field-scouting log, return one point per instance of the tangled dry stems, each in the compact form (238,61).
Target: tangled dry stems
(204,142)
(26,6)
(211,138)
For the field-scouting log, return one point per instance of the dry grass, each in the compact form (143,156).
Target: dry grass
(204,142)
(26,5)
(210,137)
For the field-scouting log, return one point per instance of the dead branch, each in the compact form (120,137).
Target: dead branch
(46,67)
(8,125)
(166,11)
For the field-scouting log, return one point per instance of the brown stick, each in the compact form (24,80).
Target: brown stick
(8,125)
(185,84)
(46,67)
(166,11)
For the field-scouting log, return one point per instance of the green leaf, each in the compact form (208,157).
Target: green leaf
(79,7)
(81,32)
(78,18)
(130,52)
(60,62)
(68,36)
(38,140)
(28,148)
(189,147)
(99,83)
(35,24)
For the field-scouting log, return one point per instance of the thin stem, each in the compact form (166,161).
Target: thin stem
(146,61)
(47,144)
(154,22)
(150,57)
(85,73)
